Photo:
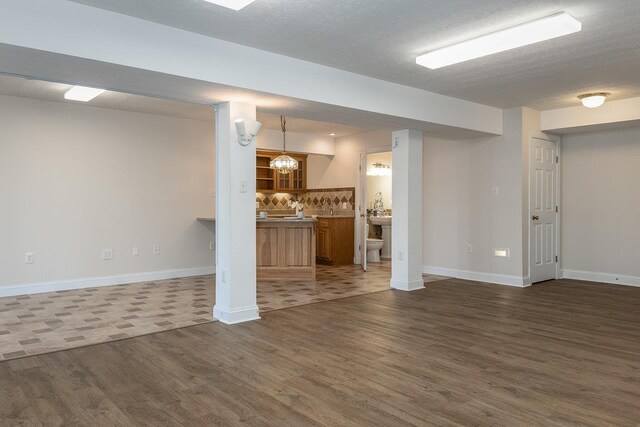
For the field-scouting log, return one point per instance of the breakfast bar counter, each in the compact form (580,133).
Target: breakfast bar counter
(286,249)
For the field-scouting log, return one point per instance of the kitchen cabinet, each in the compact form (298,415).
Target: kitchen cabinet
(335,240)
(270,181)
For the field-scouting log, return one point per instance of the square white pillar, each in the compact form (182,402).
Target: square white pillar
(235,218)
(406,227)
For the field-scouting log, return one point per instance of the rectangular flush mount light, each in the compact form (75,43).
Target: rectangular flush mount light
(525,34)
(232,4)
(81,93)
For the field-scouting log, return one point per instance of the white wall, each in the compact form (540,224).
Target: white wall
(601,204)
(341,170)
(270,139)
(460,209)
(76,179)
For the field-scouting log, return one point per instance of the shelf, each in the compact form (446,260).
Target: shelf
(265,179)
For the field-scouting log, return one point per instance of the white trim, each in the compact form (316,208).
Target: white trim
(407,286)
(64,285)
(498,279)
(231,317)
(610,278)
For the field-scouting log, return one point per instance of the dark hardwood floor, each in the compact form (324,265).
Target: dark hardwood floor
(455,353)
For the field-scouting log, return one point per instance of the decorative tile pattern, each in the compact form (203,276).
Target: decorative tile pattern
(312,200)
(42,323)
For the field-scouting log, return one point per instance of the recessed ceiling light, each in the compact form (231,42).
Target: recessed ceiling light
(81,93)
(332,134)
(525,34)
(593,100)
(231,4)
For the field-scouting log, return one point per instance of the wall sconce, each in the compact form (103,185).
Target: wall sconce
(247,132)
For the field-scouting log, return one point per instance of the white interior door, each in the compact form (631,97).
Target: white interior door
(364,227)
(543,220)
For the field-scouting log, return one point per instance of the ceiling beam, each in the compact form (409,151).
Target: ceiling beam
(81,31)
(612,114)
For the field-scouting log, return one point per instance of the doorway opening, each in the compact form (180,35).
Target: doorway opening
(378,202)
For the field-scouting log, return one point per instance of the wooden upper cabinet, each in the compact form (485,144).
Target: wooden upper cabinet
(270,181)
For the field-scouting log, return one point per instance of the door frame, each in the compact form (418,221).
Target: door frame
(361,196)
(557,140)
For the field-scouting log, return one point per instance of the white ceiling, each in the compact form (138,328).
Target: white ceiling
(381,38)
(29,88)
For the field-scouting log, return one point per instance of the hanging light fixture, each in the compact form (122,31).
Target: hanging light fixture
(284,163)
(379,169)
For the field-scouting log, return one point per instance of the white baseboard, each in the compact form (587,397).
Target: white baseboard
(231,317)
(591,276)
(92,282)
(498,279)
(407,286)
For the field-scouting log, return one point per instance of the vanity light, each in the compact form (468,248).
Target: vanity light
(379,169)
(82,93)
(593,100)
(231,4)
(525,34)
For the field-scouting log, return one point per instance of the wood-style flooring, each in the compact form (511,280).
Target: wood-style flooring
(455,353)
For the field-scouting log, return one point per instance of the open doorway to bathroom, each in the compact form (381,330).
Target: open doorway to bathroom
(378,202)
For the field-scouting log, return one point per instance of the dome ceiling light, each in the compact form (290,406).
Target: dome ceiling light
(593,100)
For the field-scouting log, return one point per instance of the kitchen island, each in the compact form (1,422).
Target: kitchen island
(286,249)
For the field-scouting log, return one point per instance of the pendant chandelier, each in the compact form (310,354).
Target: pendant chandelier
(284,163)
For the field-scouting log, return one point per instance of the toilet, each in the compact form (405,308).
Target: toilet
(373,249)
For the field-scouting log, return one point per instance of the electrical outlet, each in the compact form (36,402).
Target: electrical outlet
(156,250)
(223,276)
(212,193)
(135,251)
(257,205)
(28,258)
(344,205)
(243,186)
(495,190)
(469,249)
(107,254)
(211,246)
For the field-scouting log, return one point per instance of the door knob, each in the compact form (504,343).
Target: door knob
(361,215)
(535,217)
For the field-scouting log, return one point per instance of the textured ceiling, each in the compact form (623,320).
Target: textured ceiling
(37,89)
(381,38)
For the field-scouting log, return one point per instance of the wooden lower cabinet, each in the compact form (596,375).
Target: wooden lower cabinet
(334,242)
(285,250)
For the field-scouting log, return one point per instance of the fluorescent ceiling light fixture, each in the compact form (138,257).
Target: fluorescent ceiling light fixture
(525,34)
(231,4)
(593,100)
(81,93)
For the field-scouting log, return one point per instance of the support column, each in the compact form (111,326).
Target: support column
(235,218)
(406,264)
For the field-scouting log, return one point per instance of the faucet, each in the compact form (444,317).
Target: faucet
(327,200)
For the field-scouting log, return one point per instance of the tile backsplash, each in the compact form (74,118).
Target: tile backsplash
(278,203)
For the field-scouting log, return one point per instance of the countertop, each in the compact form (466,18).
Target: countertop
(304,220)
